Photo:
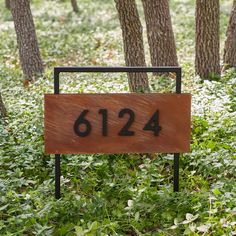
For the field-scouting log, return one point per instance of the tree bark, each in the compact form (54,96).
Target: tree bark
(3,112)
(74,6)
(160,33)
(7,4)
(207,55)
(133,43)
(230,43)
(30,58)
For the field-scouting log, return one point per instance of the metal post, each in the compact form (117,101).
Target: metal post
(57,156)
(176,172)
(176,155)
(57,176)
(56,81)
(178,80)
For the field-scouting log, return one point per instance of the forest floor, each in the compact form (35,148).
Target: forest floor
(112,194)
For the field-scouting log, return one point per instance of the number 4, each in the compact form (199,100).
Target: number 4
(153,124)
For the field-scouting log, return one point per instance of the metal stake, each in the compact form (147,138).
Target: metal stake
(176,155)
(176,172)
(57,176)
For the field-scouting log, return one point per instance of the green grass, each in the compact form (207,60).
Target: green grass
(112,194)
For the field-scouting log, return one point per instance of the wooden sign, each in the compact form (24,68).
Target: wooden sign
(117,123)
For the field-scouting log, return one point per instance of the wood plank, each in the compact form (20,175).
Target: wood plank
(62,111)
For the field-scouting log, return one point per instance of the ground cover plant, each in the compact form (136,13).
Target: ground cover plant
(112,194)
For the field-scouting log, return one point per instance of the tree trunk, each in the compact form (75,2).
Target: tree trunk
(74,6)
(133,43)
(160,33)
(230,43)
(7,4)
(3,111)
(207,55)
(30,58)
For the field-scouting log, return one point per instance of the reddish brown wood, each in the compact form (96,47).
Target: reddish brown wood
(61,112)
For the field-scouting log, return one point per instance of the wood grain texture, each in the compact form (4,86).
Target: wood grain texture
(30,58)
(132,32)
(230,43)
(207,38)
(160,34)
(61,112)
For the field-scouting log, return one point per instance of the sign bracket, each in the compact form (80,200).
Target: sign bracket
(58,70)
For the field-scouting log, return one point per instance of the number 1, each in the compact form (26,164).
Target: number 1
(103,112)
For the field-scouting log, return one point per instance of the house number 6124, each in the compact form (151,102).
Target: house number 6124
(83,127)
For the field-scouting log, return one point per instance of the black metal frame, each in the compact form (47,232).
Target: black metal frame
(58,70)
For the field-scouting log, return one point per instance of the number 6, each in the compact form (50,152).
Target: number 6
(81,120)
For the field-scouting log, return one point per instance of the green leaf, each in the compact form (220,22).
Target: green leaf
(216,191)
(203,228)
(4,207)
(79,231)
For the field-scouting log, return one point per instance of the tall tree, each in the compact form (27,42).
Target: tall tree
(3,112)
(30,58)
(7,3)
(207,55)
(230,43)
(133,43)
(160,33)
(74,5)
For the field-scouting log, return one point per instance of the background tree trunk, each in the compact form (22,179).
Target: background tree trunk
(74,6)
(133,43)
(230,43)
(160,33)
(207,55)
(3,112)
(30,59)
(7,3)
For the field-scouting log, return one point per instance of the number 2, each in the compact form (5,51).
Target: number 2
(125,130)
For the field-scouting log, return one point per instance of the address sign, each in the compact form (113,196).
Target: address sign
(117,123)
